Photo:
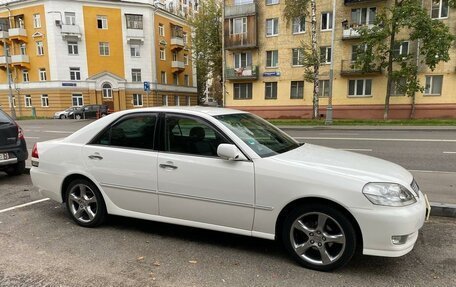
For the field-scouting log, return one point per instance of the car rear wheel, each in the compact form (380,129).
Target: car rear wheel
(62,117)
(16,169)
(319,237)
(85,203)
(78,117)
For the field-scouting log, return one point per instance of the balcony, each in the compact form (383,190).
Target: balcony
(135,35)
(354,2)
(71,32)
(3,61)
(352,31)
(177,43)
(3,35)
(245,73)
(349,68)
(18,34)
(247,9)
(240,41)
(20,60)
(177,66)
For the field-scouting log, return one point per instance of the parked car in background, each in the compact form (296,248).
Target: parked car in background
(13,149)
(64,114)
(232,171)
(89,112)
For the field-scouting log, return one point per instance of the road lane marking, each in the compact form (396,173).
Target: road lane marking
(58,132)
(32,138)
(374,139)
(356,149)
(343,134)
(449,152)
(24,205)
(431,171)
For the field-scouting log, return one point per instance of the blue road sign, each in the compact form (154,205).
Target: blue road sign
(146,86)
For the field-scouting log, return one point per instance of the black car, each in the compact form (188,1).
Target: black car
(13,149)
(89,112)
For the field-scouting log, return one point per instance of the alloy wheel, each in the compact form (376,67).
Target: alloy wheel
(83,203)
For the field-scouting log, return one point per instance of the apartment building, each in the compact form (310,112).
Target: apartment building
(64,53)
(263,56)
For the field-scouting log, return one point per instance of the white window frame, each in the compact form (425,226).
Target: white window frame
(274,58)
(327,54)
(271,25)
(71,48)
(39,48)
(103,48)
(272,2)
(25,76)
(135,50)
(75,73)
(441,2)
(329,21)
(355,90)
(104,22)
(296,26)
(269,89)
(239,88)
(23,48)
(161,30)
(37,21)
(13,99)
(107,91)
(137,100)
(79,100)
(42,74)
(136,75)
(324,88)
(400,51)
(162,54)
(297,87)
(300,52)
(176,100)
(45,101)
(70,18)
(367,20)
(28,101)
(429,85)
(243,26)
(164,76)
(165,101)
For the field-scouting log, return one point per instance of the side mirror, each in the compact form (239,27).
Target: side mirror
(230,152)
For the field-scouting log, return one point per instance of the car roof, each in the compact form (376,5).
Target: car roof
(211,111)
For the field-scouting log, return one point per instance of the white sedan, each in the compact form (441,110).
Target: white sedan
(231,171)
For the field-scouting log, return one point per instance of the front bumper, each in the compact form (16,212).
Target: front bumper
(380,224)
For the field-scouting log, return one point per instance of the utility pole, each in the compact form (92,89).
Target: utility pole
(8,72)
(329,108)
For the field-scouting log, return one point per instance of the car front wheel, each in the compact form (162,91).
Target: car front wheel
(85,203)
(62,117)
(319,237)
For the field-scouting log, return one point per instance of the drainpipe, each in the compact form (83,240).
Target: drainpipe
(8,72)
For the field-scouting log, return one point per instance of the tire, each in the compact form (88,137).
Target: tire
(78,117)
(16,169)
(62,117)
(319,237)
(85,204)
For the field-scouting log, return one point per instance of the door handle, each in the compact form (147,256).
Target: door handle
(96,156)
(168,166)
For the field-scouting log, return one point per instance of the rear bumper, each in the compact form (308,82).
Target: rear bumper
(48,184)
(16,154)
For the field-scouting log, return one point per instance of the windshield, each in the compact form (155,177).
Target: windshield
(264,138)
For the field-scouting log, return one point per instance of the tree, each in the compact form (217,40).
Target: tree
(297,9)
(381,47)
(207,47)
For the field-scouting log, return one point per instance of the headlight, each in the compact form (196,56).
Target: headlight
(388,194)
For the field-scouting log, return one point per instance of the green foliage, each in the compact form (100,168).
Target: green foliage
(295,9)
(207,44)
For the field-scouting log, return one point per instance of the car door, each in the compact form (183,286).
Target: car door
(124,162)
(195,184)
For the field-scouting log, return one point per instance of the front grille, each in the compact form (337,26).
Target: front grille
(415,187)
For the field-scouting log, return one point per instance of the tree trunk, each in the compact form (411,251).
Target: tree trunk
(390,64)
(316,88)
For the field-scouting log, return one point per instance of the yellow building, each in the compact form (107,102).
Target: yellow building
(262,56)
(66,53)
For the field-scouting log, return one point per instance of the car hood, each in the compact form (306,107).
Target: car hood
(347,164)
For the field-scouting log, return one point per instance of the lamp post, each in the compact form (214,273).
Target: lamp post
(329,108)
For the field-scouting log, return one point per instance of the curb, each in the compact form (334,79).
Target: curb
(366,128)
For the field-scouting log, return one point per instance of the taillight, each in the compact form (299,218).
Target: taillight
(35,151)
(20,132)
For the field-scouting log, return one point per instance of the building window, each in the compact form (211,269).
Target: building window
(163,78)
(134,21)
(25,76)
(272,27)
(270,90)
(75,74)
(186,80)
(23,48)
(184,37)
(73,48)
(28,101)
(439,9)
(299,25)
(175,79)
(136,75)
(298,57)
(42,74)
(398,87)
(161,30)
(401,49)
(238,26)
(243,91)
(165,100)
(185,59)
(107,90)
(162,54)
(104,48)
(70,18)
(323,91)
(433,85)
(272,59)
(13,99)
(39,48)
(137,100)
(297,90)
(188,101)
(77,100)
(102,22)
(326,21)
(135,51)
(272,2)
(325,55)
(363,16)
(44,101)
(357,49)
(36,21)
(176,101)
(360,88)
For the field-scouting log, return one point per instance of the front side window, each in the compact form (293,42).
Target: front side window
(134,21)
(136,75)
(191,136)
(77,100)
(297,90)
(299,25)
(261,136)
(272,27)
(360,88)
(102,22)
(104,48)
(44,101)
(433,85)
(270,90)
(75,74)
(137,100)
(242,91)
(326,21)
(272,59)
(133,132)
(439,9)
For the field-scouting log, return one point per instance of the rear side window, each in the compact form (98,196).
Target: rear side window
(132,132)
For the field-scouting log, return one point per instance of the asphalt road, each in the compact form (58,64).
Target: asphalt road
(41,246)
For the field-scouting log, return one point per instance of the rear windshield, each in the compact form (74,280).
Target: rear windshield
(4,118)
